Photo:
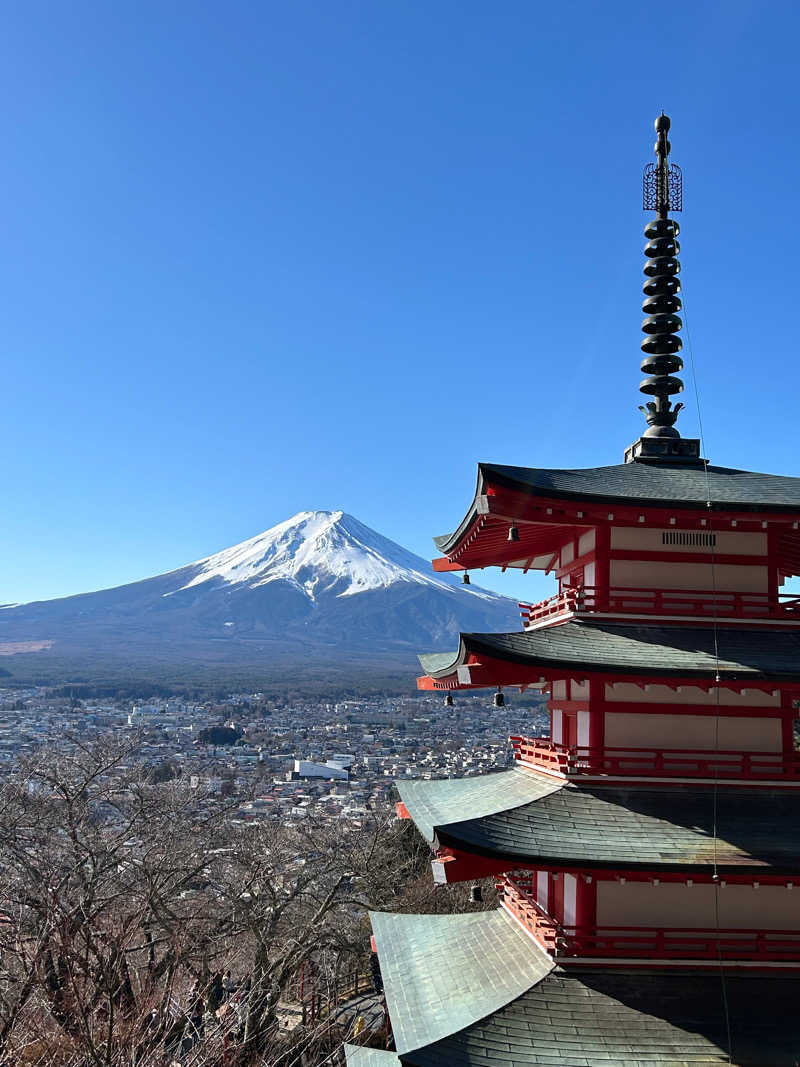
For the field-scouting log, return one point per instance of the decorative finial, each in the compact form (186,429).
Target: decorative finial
(663,192)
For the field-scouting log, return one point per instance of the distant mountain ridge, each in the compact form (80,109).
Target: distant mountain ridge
(321,584)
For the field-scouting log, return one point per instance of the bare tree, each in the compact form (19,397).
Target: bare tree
(140,923)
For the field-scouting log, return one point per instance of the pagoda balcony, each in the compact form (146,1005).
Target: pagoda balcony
(574,944)
(695,604)
(540,753)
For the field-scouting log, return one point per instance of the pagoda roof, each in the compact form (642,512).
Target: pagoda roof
(474,989)
(438,803)
(654,484)
(590,826)
(443,973)
(593,1018)
(599,646)
(645,484)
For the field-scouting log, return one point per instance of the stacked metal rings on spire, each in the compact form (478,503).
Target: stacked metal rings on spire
(661,344)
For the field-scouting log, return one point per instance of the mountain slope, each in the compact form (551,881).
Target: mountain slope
(321,583)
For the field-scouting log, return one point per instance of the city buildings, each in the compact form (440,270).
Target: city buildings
(368,743)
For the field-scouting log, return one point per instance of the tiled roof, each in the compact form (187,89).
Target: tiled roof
(442,973)
(655,483)
(359,1056)
(636,649)
(610,826)
(605,1018)
(437,803)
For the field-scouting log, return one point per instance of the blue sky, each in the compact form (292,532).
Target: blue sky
(262,257)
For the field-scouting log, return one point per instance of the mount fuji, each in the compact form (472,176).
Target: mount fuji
(320,586)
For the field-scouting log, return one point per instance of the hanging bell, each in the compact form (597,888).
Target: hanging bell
(513,533)
(475,893)
(499,700)
(465,579)
(448,700)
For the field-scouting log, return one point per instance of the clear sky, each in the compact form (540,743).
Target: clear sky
(263,257)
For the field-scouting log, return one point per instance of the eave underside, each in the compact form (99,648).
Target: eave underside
(546,504)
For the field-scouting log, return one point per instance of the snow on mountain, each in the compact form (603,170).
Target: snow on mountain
(319,587)
(319,552)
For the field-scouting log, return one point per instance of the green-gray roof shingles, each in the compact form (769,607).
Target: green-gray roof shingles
(435,803)
(361,1056)
(592,1018)
(638,649)
(444,972)
(656,484)
(650,828)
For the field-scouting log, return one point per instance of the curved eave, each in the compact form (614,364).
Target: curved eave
(624,650)
(442,973)
(623,486)
(436,803)
(604,1017)
(446,543)
(517,817)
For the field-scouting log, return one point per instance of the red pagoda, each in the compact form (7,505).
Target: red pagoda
(647,851)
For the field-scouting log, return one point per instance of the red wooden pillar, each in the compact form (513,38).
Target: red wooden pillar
(597,713)
(586,902)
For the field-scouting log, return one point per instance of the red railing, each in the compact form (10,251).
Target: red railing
(542,752)
(635,942)
(692,602)
(660,762)
(517,892)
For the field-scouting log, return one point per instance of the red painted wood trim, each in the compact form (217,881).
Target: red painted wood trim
(517,505)
(556,894)
(579,561)
(461,866)
(484,545)
(442,565)
(597,721)
(568,705)
(489,674)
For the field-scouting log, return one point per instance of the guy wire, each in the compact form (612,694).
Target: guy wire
(715,630)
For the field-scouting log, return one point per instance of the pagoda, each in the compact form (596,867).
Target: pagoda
(647,850)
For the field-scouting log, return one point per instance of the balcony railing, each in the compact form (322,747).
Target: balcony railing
(643,942)
(518,897)
(544,754)
(693,603)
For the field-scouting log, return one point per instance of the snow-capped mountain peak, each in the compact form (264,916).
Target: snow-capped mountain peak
(286,597)
(318,551)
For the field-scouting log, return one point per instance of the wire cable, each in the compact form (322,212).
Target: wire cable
(715,630)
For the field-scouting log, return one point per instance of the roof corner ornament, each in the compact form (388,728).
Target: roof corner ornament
(662,193)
